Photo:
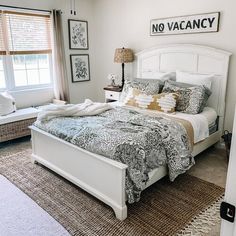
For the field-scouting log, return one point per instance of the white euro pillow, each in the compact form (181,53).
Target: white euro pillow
(195,78)
(7,104)
(163,76)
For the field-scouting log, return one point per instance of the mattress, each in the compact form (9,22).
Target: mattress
(211,117)
(210,114)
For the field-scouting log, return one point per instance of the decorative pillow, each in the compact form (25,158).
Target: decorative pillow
(165,102)
(195,79)
(7,104)
(148,86)
(192,98)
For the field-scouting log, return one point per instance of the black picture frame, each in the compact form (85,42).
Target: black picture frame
(80,67)
(78,34)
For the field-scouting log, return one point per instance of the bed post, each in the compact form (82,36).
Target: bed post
(33,160)
(121,213)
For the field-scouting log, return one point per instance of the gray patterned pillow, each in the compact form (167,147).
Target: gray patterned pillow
(192,98)
(148,86)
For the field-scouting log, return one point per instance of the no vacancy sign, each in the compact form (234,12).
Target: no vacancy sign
(201,23)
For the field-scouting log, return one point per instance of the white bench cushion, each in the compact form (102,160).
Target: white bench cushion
(21,114)
(7,103)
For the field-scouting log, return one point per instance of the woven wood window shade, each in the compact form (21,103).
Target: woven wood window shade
(25,33)
(2,44)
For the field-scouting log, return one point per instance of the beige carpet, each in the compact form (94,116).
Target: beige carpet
(16,211)
(165,208)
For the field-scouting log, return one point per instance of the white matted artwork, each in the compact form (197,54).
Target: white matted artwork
(80,70)
(78,34)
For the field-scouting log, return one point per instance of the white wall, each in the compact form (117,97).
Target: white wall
(81,90)
(126,23)
(78,91)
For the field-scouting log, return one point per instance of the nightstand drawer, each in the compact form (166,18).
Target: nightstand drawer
(112,95)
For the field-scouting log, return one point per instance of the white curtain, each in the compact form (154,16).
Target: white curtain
(61,90)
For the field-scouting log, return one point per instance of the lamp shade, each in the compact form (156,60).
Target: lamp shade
(123,55)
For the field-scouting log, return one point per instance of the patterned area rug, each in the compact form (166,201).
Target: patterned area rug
(165,208)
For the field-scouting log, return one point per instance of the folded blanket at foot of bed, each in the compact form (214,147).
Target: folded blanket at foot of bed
(141,141)
(88,108)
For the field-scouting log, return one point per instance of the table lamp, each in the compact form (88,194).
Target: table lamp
(123,55)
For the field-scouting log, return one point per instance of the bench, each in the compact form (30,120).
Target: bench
(15,125)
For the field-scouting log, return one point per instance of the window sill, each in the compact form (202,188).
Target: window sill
(30,90)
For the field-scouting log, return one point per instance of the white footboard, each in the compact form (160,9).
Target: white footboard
(97,175)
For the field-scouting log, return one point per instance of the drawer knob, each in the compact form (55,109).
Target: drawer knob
(111,95)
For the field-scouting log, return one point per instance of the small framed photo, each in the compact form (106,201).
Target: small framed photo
(78,34)
(80,70)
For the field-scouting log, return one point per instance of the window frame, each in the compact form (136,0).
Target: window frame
(8,69)
(10,78)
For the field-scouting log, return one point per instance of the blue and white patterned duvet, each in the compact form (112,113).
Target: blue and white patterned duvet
(140,141)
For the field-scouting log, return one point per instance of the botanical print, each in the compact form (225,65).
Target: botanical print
(81,71)
(142,142)
(80,67)
(78,34)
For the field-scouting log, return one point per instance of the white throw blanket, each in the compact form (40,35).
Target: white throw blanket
(88,108)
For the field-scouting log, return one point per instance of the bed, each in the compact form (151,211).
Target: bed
(89,171)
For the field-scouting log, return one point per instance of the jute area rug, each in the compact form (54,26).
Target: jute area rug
(165,208)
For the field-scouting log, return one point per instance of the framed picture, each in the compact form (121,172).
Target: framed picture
(80,70)
(78,34)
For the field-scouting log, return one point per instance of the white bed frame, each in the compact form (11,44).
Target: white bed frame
(105,178)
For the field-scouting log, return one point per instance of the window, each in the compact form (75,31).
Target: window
(31,69)
(25,50)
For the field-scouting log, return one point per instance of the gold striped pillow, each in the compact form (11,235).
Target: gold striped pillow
(165,102)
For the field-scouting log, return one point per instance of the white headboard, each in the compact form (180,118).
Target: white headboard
(190,58)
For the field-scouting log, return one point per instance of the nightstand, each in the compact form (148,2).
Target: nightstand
(112,94)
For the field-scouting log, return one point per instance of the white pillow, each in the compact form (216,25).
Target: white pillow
(163,76)
(7,104)
(195,79)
